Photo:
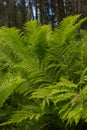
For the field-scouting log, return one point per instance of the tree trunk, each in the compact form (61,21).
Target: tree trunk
(1,12)
(11,13)
(31,10)
(61,10)
(23,12)
(76,6)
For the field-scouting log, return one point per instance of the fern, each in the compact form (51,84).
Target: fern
(7,87)
(44,69)
(29,111)
(63,54)
(67,30)
(69,102)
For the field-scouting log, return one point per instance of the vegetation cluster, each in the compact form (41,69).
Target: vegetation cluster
(43,76)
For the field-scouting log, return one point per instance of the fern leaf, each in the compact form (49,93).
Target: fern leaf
(27,112)
(7,88)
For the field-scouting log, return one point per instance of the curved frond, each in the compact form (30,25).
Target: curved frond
(7,87)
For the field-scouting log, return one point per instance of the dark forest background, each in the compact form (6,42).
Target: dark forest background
(17,12)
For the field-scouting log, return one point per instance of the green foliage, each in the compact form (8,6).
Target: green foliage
(7,87)
(43,75)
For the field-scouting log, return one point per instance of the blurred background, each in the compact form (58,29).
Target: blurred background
(17,12)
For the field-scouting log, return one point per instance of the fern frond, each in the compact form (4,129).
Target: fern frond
(67,30)
(7,87)
(29,111)
(30,28)
(69,101)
